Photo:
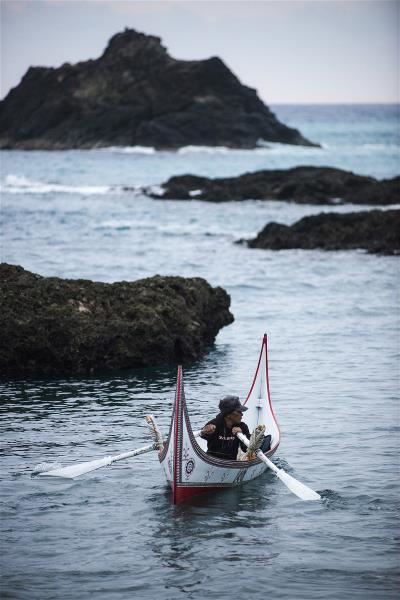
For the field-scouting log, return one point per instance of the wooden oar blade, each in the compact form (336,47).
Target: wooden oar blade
(76,470)
(299,489)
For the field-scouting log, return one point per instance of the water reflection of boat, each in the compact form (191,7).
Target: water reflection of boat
(187,466)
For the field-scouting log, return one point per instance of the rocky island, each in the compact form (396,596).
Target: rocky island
(137,94)
(376,231)
(304,185)
(53,326)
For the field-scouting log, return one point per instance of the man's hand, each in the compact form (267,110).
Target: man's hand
(236,430)
(208,429)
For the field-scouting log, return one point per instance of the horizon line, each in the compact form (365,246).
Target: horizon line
(340,102)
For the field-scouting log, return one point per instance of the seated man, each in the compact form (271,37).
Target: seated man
(220,432)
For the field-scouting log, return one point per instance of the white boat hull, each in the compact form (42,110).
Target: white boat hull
(187,466)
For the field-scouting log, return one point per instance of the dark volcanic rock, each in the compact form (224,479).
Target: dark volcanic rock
(376,231)
(305,185)
(56,326)
(136,94)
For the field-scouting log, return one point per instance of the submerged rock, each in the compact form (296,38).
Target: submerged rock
(304,185)
(55,326)
(136,94)
(376,231)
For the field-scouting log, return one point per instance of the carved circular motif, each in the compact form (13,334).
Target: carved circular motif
(189,466)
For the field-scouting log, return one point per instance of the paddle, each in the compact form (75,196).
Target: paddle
(80,469)
(86,467)
(298,488)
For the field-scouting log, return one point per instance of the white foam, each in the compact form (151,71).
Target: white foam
(46,466)
(19,184)
(276,148)
(204,150)
(262,147)
(156,190)
(130,149)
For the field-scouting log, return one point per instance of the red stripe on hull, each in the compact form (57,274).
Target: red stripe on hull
(176,431)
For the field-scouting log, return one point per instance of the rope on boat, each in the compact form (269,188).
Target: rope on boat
(155,432)
(256,439)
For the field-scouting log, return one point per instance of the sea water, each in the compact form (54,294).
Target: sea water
(332,322)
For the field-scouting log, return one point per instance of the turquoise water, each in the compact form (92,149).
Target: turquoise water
(332,320)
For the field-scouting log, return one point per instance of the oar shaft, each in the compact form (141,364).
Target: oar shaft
(80,469)
(268,462)
(136,452)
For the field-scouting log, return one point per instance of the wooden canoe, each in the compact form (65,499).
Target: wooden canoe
(189,469)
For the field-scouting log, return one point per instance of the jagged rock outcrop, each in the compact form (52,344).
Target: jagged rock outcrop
(377,231)
(53,326)
(136,94)
(305,185)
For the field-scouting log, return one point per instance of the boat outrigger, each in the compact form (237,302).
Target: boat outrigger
(187,466)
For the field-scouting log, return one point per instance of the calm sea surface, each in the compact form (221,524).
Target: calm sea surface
(333,326)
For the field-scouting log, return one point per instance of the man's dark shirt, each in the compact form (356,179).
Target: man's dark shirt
(222,443)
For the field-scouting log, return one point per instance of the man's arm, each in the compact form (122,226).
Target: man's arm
(245,430)
(208,430)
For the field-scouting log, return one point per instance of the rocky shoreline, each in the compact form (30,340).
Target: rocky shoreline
(376,231)
(303,185)
(137,94)
(53,326)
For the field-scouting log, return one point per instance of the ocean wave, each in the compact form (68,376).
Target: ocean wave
(205,150)
(19,184)
(280,148)
(129,149)
(361,149)
(263,147)
(123,225)
(163,229)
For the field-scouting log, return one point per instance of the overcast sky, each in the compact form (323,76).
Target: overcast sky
(289,50)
